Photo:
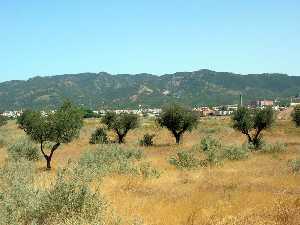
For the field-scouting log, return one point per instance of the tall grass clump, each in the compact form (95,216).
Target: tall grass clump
(69,200)
(147,171)
(185,160)
(3,141)
(23,148)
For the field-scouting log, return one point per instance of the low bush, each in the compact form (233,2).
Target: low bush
(294,165)
(185,160)
(99,136)
(68,201)
(236,152)
(278,147)
(72,198)
(111,159)
(147,140)
(212,149)
(23,148)
(209,143)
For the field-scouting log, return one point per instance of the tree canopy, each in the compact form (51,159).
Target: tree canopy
(55,128)
(120,123)
(177,119)
(296,115)
(252,122)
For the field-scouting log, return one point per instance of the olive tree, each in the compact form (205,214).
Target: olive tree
(120,123)
(252,122)
(296,115)
(3,120)
(177,119)
(53,129)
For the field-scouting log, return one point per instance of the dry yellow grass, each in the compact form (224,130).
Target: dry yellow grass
(258,190)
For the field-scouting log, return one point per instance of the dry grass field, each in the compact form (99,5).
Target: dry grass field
(261,189)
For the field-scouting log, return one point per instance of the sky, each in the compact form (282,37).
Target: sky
(42,38)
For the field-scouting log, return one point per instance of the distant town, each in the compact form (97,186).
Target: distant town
(203,111)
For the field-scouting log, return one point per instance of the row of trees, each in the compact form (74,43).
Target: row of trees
(63,126)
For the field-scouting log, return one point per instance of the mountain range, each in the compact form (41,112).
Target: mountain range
(103,90)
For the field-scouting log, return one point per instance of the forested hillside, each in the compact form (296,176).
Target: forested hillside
(203,87)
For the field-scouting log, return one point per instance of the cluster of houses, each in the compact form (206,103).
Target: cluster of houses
(141,112)
(12,114)
(224,110)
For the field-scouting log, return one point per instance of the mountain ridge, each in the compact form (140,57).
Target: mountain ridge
(104,90)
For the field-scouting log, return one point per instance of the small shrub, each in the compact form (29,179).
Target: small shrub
(236,152)
(99,136)
(184,160)
(212,150)
(68,201)
(213,156)
(208,143)
(278,147)
(23,148)
(147,140)
(72,197)
(147,171)
(111,159)
(294,165)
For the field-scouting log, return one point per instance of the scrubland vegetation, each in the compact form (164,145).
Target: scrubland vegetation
(215,175)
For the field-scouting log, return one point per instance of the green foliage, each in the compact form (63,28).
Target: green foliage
(296,115)
(72,197)
(212,149)
(68,201)
(236,152)
(23,148)
(177,119)
(120,123)
(294,165)
(61,126)
(110,159)
(185,160)
(277,147)
(200,87)
(99,136)
(88,113)
(208,143)
(252,122)
(3,120)
(147,140)
(243,120)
